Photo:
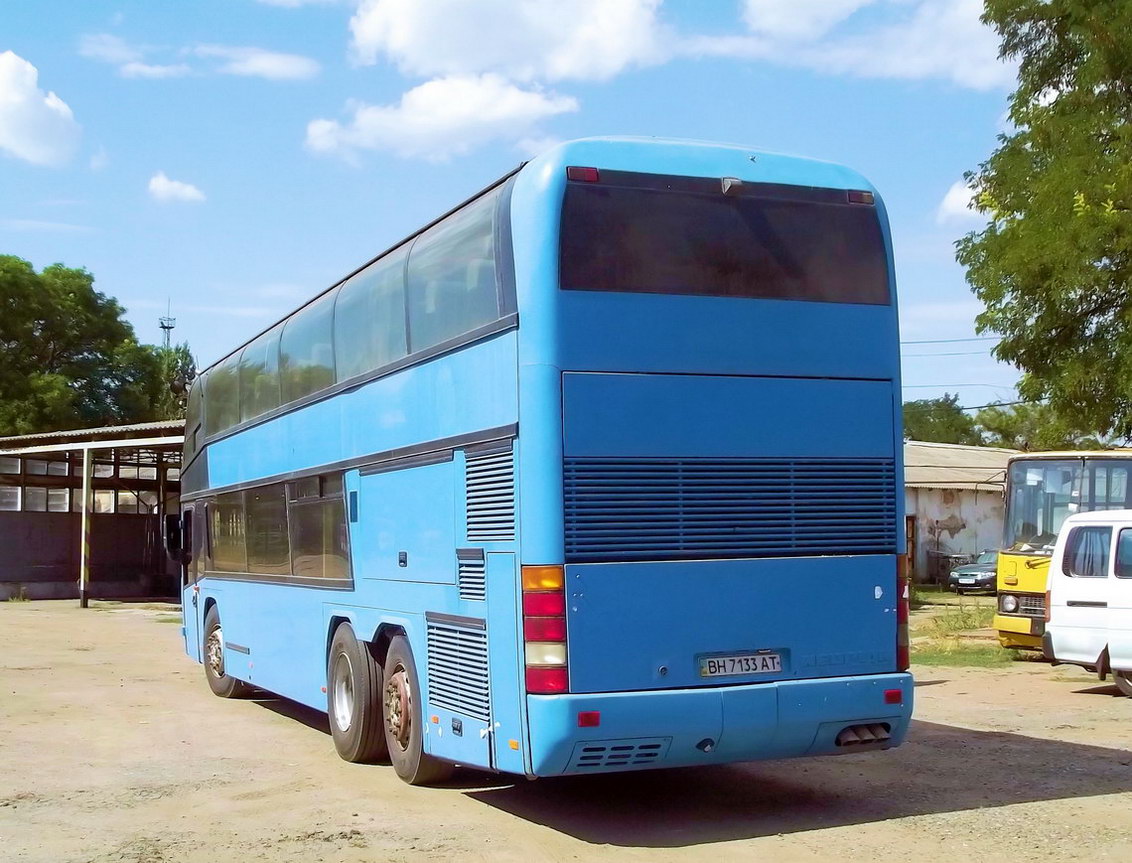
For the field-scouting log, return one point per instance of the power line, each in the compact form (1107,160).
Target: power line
(952,341)
(946,386)
(954,354)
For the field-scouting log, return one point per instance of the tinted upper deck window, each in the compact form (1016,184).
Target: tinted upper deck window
(683,236)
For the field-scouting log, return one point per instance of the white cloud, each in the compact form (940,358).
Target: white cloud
(35,126)
(134,61)
(41,225)
(958,206)
(148,70)
(99,159)
(940,39)
(108,48)
(440,119)
(258,63)
(798,18)
(161,188)
(911,39)
(525,41)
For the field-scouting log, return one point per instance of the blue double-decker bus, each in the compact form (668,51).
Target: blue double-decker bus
(598,471)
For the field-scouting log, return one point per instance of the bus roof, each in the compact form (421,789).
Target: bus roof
(1121,452)
(688,154)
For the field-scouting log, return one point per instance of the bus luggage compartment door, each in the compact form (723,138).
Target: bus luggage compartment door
(684,624)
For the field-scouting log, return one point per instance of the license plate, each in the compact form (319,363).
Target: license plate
(740,663)
(966,581)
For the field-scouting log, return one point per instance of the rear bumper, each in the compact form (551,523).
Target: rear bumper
(1019,632)
(718,725)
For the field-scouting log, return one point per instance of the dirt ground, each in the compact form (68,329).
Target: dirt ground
(113,749)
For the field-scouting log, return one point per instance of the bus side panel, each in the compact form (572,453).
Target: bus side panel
(504,642)
(274,636)
(405,529)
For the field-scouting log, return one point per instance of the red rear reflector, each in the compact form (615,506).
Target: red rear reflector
(589,719)
(544,604)
(861,198)
(544,629)
(584,175)
(547,681)
(893,696)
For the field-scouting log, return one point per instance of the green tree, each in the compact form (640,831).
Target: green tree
(1054,265)
(940,421)
(68,358)
(1031,427)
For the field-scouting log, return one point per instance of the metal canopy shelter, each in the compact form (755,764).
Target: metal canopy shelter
(151,447)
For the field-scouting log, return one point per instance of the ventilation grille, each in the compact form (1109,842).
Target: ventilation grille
(491,495)
(669,509)
(457,669)
(471,573)
(613,754)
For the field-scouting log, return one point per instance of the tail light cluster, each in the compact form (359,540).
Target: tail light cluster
(544,629)
(903,659)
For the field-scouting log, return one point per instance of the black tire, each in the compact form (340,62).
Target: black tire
(353,699)
(1123,681)
(403,719)
(212,655)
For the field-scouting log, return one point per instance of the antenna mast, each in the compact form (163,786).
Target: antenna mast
(167,324)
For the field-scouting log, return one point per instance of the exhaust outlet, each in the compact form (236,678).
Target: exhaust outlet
(859,735)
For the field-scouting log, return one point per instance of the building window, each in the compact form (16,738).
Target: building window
(9,498)
(35,499)
(9,464)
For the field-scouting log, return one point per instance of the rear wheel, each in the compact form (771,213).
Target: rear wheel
(404,719)
(353,699)
(1123,681)
(219,682)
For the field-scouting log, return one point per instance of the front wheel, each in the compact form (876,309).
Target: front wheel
(219,681)
(404,719)
(1123,681)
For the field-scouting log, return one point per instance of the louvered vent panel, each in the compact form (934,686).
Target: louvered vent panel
(457,670)
(669,509)
(491,496)
(471,573)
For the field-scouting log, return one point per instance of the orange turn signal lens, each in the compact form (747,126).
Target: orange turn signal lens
(543,578)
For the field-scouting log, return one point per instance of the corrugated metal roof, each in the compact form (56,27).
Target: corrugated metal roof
(173,427)
(944,465)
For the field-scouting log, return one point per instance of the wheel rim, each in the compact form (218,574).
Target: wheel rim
(399,708)
(343,689)
(214,652)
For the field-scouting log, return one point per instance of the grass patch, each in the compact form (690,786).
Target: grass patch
(956,619)
(955,653)
(168,618)
(20,596)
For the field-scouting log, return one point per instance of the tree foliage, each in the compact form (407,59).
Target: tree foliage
(1054,265)
(68,359)
(1032,428)
(940,420)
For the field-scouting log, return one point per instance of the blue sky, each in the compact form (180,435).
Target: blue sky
(236,156)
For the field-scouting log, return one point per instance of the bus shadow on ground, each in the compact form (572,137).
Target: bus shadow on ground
(311,718)
(941,768)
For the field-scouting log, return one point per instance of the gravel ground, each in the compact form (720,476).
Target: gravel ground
(113,749)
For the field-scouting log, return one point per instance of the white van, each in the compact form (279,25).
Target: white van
(1089,608)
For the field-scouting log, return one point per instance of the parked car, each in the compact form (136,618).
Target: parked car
(1089,618)
(977,576)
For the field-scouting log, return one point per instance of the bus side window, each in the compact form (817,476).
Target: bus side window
(1086,552)
(452,276)
(306,353)
(1124,554)
(369,317)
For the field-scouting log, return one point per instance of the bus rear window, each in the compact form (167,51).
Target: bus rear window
(684,236)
